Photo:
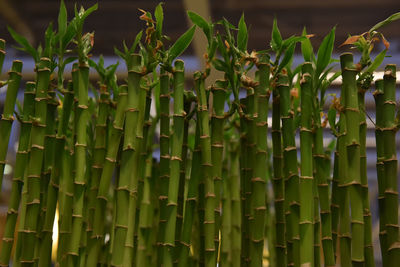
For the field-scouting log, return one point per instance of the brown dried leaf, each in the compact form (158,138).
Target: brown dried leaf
(385,42)
(351,40)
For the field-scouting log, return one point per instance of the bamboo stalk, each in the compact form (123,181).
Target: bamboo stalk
(35,163)
(259,179)
(209,194)
(123,191)
(306,166)
(7,118)
(80,181)
(217,148)
(164,159)
(390,164)
(18,178)
(191,201)
(278,181)
(380,169)
(175,161)
(290,170)
(368,249)
(109,164)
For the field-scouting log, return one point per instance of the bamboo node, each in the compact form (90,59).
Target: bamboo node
(37,146)
(209,222)
(176,158)
(8,240)
(306,177)
(258,179)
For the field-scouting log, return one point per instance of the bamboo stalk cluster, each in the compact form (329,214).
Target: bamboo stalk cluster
(204,180)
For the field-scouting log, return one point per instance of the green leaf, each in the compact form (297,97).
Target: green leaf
(24,43)
(200,22)
(325,52)
(332,119)
(306,48)
(220,65)
(292,39)
(159,15)
(390,19)
(136,42)
(48,36)
(119,53)
(242,36)
(181,44)
(69,34)
(377,61)
(62,19)
(287,58)
(89,11)
(276,38)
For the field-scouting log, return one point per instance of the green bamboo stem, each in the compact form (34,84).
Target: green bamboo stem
(82,119)
(344,202)
(191,202)
(122,191)
(109,164)
(146,208)
(182,179)
(7,118)
(322,173)
(234,181)
(225,250)
(290,170)
(380,168)
(17,181)
(245,178)
(66,190)
(278,181)
(175,161)
(99,152)
(164,160)
(390,164)
(335,208)
(259,179)
(317,226)
(352,112)
(35,163)
(306,166)
(217,139)
(209,194)
(48,163)
(134,196)
(368,247)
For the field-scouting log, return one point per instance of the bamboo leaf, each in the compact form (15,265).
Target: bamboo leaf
(62,19)
(159,15)
(69,34)
(276,38)
(136,42)
(89,11)
(377,62)
(292,39)
(24,43)
(181,44)
(220,65)
(306,48)
(200,22)
(332,119)
(325,52)
(288,57)
(390,19)
(242,36)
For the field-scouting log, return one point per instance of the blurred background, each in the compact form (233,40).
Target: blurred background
(118,20)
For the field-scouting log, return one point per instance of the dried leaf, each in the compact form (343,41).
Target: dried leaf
(351,40)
